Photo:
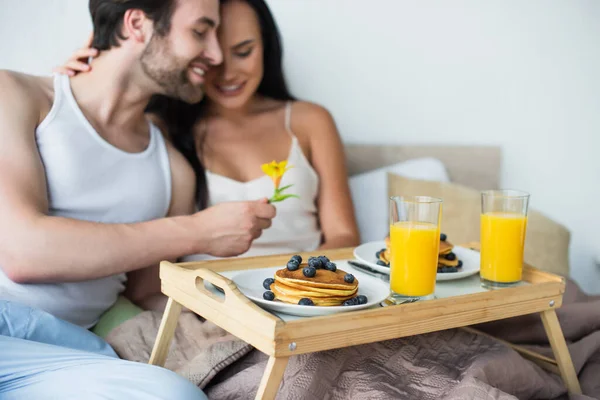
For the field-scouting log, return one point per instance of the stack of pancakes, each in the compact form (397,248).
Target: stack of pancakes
(326,288)
(446,258)
(384,254)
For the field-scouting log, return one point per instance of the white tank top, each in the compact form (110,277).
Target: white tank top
(296,226)
(90,179)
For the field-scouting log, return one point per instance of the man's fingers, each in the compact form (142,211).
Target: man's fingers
(263,210)
(264,223)
(256,233)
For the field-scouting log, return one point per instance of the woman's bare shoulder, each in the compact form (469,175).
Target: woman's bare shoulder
(311,119)
(311,112)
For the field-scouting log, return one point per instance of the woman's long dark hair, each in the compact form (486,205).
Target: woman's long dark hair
(180,118)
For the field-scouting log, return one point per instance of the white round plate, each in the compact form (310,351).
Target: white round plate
(366,254)
(470,258)
(250,284)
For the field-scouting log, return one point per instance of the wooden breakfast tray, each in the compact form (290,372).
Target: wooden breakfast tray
(463,304)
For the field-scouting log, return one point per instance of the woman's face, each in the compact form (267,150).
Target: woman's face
(233,83)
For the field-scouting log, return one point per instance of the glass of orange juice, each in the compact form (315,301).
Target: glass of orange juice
(414,247)
(503,230)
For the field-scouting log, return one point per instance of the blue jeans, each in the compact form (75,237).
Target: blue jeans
(43,357)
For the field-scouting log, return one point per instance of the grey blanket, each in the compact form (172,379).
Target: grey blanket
(452,364)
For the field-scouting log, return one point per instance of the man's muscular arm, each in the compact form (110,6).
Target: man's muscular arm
(36,247)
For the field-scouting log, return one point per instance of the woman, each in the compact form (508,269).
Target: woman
(249,118)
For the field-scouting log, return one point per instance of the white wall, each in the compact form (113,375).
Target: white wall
(524,75)
(36,35)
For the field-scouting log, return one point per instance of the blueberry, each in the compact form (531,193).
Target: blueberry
(452,269)
(315,262)
(331,266)
(382,263)
(443,237)
(292,265)
(324,260)
(444,270)
(268,295)
(297,258)
(306,302)
(349,302)
(268,282)
(309,272)
(377,254)
(349,278)
(459,264)
(450,256)
(362,299)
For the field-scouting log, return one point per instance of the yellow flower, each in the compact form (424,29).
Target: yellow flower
(275,171)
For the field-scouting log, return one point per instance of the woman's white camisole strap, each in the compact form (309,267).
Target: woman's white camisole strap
(288,118)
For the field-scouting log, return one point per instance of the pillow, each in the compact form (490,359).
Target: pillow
(369,193)
(120,312)
(546,243)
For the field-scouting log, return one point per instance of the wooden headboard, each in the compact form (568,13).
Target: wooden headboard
(474,166)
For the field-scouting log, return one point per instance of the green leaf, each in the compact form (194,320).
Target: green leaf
(280,190)
(279,198)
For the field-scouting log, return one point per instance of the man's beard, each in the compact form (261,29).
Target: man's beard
(169,72)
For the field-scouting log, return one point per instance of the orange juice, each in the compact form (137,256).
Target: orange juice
(414,255)
(502,244)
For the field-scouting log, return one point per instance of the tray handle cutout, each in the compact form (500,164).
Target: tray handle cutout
(234,299)
(225,285)
(222,284)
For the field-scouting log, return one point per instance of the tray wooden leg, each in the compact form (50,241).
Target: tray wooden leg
(165,333)
(561,352)
(269,385)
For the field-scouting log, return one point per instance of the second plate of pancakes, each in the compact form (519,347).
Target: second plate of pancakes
(250,284)
(366,253)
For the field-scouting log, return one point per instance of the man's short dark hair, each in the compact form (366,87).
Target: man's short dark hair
(107,18)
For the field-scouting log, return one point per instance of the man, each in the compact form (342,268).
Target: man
(91,191)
